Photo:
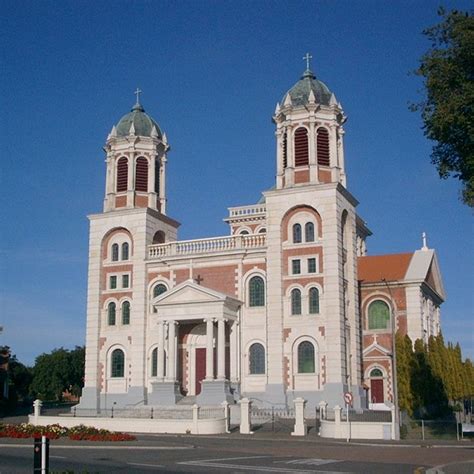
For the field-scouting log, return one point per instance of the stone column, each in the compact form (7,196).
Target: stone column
(131,180)
(161,350)
(151,182)
(234,352)
(221,349)
(209,349)
(245,425)
(171,369)
(163,185)
(300,425)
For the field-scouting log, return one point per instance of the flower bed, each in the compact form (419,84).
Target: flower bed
(78,433)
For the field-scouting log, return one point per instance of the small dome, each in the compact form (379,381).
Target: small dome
(142,123)
(299,93)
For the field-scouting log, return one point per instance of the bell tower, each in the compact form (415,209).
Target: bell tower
(309,131)
(136,163)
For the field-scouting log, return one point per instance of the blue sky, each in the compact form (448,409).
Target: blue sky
(211,73)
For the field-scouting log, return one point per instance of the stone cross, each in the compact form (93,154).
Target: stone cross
(307,57)
(137,93)
(198,279)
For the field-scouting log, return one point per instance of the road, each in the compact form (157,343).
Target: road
(237,454)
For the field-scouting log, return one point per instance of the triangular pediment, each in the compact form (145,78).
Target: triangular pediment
(189,292)
(375,350)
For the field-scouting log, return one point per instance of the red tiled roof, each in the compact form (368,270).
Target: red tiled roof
(379,267)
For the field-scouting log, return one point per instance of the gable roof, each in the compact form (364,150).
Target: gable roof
(383,267)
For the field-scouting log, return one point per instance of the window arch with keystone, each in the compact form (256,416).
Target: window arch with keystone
(126,312)
(301,147)
(111,313)
(378,315)
(256,359)
(322,144)
(117,363)
(141,174)
(122,175)
(313,300)
(256,291)
(306,362)
(295,297)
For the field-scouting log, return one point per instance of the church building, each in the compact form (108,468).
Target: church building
(287,304)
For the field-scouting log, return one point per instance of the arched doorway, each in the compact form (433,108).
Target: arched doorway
(376,386)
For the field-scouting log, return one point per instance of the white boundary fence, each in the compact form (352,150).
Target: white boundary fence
(197,421)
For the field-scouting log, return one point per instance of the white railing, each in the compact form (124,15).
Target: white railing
(212,245)
(247,210)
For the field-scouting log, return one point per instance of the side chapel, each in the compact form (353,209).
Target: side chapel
(287,305)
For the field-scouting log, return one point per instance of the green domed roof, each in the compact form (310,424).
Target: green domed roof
(142,123)
(299,93)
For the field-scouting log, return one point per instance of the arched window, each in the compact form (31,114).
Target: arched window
(111,312)
(115,252)
(379,315)
(125,252)
(244,232)
(122,175)
(285,150)
(301,147)
(322,143)
(262,230)
(159,289)
(117,363)
(256,291)
(297,237)
(309,232)
(159,237)
(295,301)
(256,359)
(313,301)
(141,174)
(154,362)
(126,312)
(306,358)
(376,373)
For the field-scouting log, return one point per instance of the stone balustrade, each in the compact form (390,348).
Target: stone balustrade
(243,211)
(211,245)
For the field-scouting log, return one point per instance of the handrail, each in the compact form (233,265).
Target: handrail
(210,245)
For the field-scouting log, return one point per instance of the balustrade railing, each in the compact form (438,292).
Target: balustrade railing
(247,210)
(211,245)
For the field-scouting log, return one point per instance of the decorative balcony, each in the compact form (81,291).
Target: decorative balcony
(203,246)
(245,213)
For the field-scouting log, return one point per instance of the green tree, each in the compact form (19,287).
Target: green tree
(61,370)
(403,346)
(448,108)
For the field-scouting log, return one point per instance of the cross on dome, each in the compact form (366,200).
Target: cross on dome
(307,58)
(137,93)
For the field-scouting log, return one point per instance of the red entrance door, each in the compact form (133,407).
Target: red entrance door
(200,368)
(376,390)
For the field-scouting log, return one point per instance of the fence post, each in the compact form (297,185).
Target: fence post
(323,406)
(273,419)
(423,430)
(245,425)
(337,421)
(195,429)
(225,405)
(37,404)
(300,425)
(393,427)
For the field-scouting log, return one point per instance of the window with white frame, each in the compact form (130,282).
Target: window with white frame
(296,267)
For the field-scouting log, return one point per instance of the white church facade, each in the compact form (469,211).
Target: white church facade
(286,305)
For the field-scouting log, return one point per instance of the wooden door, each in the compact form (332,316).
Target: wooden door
(200,368)
(376,390)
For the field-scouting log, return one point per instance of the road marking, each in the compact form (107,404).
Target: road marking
(58,457)
(151,448)
(226,459)
(244,467)
(309,461)
(144,465)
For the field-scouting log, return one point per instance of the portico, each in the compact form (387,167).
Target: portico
(197,351)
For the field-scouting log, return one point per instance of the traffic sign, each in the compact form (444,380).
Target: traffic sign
(348,398)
